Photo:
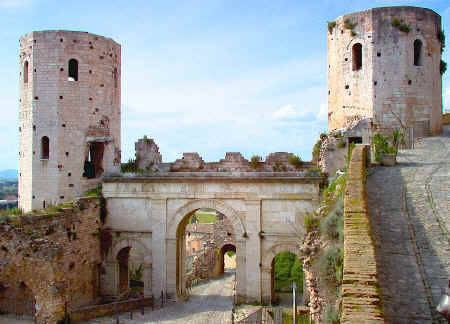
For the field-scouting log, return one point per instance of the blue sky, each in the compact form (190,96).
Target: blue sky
(207,76)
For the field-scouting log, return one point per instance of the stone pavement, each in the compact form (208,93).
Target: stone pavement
(410,212)
(210,303)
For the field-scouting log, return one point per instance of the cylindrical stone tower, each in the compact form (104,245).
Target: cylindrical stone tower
(69,115)
(384,63)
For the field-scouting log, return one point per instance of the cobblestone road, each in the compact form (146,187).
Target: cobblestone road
(210,303)
(410,212)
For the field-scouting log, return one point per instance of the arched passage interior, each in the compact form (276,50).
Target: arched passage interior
(204,235)
(286,269)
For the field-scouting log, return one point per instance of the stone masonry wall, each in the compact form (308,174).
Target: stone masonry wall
(54,257)
(361,299)
(388,80)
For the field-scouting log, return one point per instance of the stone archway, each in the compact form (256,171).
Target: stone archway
(221,257)
(267,265)
(117,267)
(176,230)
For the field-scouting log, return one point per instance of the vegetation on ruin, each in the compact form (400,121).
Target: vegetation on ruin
(316,149)
(95,192)
(383,146)
(295,161)
(302,318)
(349,25)
(130,167)
(400,25)
(288,269)
(332,316)
(255,160)
(443,67)
(441,38)
(311,222)
(331,25)
(341,144)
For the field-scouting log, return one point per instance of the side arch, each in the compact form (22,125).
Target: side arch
(269,254)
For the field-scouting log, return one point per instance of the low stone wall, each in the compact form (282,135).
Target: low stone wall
(50,261)
(89,312)
(361,299)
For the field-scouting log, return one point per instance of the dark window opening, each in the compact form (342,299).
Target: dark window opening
(357,57)
(355,140)
(43,204)
(417,52)
(25,72)
(93,165)
(378,54)
(115,77)
(73,70)
(409,82)
(45,148)
(69,174)
(375,83)
(67,153)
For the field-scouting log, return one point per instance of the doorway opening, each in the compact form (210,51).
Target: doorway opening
(286,269)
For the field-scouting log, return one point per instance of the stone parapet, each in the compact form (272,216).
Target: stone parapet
(361,299)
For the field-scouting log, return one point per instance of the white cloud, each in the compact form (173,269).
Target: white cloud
(323,112)
(285,112)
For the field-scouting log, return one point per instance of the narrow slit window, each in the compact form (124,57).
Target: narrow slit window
(25,72)
(45,148)
(73,70)
(357,57)
(115,77)
(417,52)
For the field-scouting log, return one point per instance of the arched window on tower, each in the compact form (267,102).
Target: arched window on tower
(418,52)
(115,77)
(73,70)
(45,148)
(25,72)
(357,57)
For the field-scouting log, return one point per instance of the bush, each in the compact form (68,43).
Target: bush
(130,167)
(96,192)
(443,67)
(311,223)
(255,160)
(295,161)
(331,263)
(331,25)
(382,146)
(287,269)
(341,144)
(333,225)
(316,148)
(400,25)
(441,38)
(349,25)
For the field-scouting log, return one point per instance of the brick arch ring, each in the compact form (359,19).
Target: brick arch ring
(220,206)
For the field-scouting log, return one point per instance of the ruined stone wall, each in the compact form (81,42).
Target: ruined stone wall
(73,114)
(388,80)
(361,299)
(53,257)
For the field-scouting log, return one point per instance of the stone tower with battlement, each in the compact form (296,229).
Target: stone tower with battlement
(69,119)
(384,64)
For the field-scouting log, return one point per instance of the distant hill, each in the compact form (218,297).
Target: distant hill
(9,174)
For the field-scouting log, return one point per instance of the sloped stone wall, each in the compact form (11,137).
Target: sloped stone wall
(361,299)
(54,257)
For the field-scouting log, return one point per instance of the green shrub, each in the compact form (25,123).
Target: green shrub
(332,316)
(353,33)
(11,211)
(341,144)
(311,223)
(331,263)
(333,225)
(349,25)
(287,269)
(396,23)
(95,192)
(441,38)
(255,160)
(381,144)
(295,161)
(443,67)
(130,167)
(316,148)
(331,25)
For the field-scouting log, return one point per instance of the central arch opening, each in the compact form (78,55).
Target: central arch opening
(206,249)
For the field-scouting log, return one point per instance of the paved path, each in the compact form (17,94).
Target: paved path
(209,303)
(410,212)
